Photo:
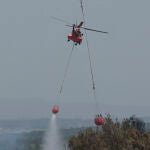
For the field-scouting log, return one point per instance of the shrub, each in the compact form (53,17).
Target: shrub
(112,135)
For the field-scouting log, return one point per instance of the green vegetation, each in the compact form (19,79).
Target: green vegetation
(129,134)
(113,135)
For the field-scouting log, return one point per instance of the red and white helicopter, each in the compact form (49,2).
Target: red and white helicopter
(76,35)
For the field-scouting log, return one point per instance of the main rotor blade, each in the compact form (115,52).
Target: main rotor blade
(61,20)
(69,25)
(94,30)
(89,29)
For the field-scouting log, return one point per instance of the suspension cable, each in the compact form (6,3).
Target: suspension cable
(66,70)
(89,55)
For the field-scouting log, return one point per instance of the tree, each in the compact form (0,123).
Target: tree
(112,135)
(137,123)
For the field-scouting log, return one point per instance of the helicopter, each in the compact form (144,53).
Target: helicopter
(77,36)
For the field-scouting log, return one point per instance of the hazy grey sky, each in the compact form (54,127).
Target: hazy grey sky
(34,52)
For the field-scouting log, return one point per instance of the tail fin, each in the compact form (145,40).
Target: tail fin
(81,23)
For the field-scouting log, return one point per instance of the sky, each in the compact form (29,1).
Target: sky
(34,52)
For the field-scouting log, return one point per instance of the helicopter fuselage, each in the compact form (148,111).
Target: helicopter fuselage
(75,38)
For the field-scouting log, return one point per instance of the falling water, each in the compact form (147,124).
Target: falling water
(53,140)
